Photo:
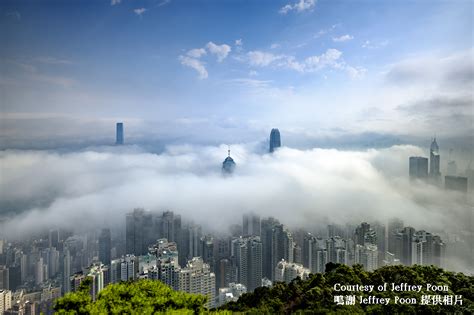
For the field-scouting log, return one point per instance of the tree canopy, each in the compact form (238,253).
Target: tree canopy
(316,294)
(132,297)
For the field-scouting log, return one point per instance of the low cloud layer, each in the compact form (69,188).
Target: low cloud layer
(305,188)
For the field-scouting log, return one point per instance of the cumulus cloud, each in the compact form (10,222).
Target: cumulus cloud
(139,11)
(196,64)
(221,51)
(114,2)
(343,38)
(300,6)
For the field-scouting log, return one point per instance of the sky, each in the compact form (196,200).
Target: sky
(212,72)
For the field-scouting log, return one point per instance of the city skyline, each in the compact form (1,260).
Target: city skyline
(222,146)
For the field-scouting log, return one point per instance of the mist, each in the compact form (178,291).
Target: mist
(302,188)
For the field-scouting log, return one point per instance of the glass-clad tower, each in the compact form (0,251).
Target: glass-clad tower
(275,141)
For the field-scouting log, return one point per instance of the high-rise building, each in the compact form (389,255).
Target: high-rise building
(282,245)
(367,256)
(434,161)
(140,232)
(228,165)
(267,226)
(275,141)
(4,278)
(196,278)
(457,183)
(418,167)
(247,252)
(105,247)
(403,246)
(119,133)
(251,224)
(286,272)
(5,300)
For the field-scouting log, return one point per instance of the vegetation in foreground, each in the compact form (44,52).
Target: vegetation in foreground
(315,295)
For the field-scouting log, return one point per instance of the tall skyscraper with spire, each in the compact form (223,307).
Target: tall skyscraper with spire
(275,141)
(434,160)
(119,133)
(228,165)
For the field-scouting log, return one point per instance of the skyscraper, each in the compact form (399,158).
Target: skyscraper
(105,247)
(275,141)
(418,167)
(139,232)
(228,165)
(119,133)
(434,160)
(457,183)
(250,224)
(247,253)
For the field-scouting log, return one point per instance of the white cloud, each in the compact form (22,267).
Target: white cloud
(196,64)
(253,73)
(221,51)
(262,59)
(300,6)
(298,187)
(356,72)
(310,64)
(343,38)
(374,45)
(275,46)
(238,42)
(139,11)
(164,2)
(196,52)
(114,2)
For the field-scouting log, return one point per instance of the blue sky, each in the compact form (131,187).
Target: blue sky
(231,70)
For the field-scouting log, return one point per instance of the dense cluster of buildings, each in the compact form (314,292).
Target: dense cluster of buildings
(160,246)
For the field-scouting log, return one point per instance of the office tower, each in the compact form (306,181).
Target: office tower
(285,271)
(228,165)
(418,167)
(119,133)
(5,300)
(434,161)
(248,257)
(140,232)
(196,278)
(105,247)
(251,225)
(456,183)
(275,141)
(14,276)
(360,232)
